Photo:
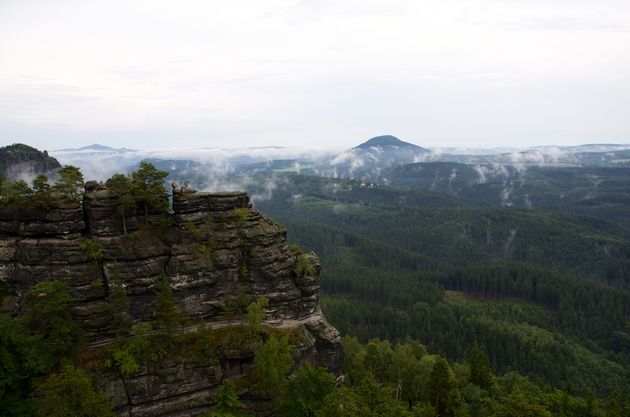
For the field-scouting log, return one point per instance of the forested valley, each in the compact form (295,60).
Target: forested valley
(542,292)
(449,303)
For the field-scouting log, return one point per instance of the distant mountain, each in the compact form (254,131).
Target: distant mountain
(96,147)
(389,141)
(18,159)
(367,160)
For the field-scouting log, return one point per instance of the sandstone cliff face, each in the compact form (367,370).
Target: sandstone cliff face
(213,244)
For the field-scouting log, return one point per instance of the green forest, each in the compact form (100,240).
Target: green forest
(543,293)
(448,307)
(47,371)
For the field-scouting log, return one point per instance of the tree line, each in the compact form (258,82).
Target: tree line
(140,191)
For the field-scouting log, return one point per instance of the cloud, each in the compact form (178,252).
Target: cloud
(481,171)
(451,178)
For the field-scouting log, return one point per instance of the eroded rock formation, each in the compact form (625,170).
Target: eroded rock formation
(210,245)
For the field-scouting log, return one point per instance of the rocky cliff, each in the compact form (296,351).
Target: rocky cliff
(212,246)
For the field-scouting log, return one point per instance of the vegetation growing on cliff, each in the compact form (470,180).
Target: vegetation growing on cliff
(303,267)
(148,189)
(34,344)
(69,183)
(120,187)
(142,189)
(381,379)
(71,392)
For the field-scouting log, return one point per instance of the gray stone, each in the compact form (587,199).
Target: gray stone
(218,243)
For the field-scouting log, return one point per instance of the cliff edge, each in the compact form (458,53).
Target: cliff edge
(211,247)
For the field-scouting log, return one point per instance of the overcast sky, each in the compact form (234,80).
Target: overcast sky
(146,74)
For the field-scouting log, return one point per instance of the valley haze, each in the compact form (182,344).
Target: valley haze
(291,208)
(101,161)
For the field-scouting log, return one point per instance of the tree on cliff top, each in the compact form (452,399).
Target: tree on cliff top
(120,187)
(70,182)
(14,192)
(41,190)
(148,189)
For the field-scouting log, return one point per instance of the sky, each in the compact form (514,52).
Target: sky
(314,73)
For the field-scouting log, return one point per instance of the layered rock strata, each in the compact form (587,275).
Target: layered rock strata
(210,247)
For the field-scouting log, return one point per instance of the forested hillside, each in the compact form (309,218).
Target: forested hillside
(451,306)
(19,159)
(542,292)
(600,192)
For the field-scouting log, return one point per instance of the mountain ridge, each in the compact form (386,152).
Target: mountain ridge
(389,141)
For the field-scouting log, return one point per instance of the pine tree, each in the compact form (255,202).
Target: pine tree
(226,397)
(15,192)
(256,314)
(69,184)
(120,186)
(119,306)
(41,189)
(148,189)
(48,315)
(273,362)
(41,185)
(480,372)
(168,316)
(442,389)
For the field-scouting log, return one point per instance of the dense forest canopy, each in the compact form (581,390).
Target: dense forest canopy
(542,292)
(452,306)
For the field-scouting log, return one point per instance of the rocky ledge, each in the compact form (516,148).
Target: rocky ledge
(212,246)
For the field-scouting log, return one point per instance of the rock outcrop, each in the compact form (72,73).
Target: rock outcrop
(212,246)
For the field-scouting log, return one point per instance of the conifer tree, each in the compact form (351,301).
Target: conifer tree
(226,397)
(119,306)
(168,315)
(69,184)
(120,186)
(273,362)
(41,190)
(442,389)
(148,189)
(256,314)
(480,372)
(48,315)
